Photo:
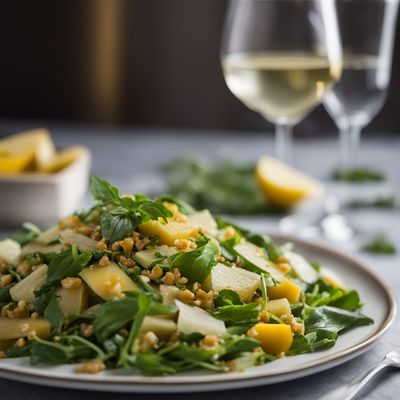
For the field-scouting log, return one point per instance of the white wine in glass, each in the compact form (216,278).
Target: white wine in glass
(367,34)
(280,57)
(280,86)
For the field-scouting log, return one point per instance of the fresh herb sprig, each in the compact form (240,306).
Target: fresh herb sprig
(358,175)
(379,244)
(121,215)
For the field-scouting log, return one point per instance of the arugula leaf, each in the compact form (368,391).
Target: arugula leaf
(113,315)
(26,234)
(334,319)
(379,244)
(5,296)
(68,349)
(53,312)
(227,297)
(320,293)
(196,265)
(236,345)
(154,364)
(65,264)
(237,314)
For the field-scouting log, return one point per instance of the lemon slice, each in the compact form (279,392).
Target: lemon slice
(27,149)
(64,158)
(283,185)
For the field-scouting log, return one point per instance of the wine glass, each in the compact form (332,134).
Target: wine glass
(280,57)
(367,34)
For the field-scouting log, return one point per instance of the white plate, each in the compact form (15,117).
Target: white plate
(379,304)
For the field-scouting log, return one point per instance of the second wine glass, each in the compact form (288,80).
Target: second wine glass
(280,57)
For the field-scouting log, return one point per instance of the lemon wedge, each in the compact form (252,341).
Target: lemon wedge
(283,185)
(33,149)
(64,158)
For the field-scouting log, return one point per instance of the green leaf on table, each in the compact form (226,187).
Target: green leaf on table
(196,265)
(379,244)
(388,202)
(358,175)
(222,187)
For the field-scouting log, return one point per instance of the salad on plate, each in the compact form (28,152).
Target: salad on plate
(158,287)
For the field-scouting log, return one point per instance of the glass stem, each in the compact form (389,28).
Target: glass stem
(349,146)
(284,142)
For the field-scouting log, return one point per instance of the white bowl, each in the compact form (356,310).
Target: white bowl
(43,198)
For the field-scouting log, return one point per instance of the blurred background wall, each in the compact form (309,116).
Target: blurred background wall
(141,62)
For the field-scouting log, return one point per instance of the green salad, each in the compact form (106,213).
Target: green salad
(159,287)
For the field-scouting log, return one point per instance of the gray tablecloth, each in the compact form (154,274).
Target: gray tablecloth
(130,159)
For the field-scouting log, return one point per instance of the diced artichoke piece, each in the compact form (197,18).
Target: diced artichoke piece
(302,267)
(108,281)
(147,257)
(24,290)
(255,256)
(243,282)
(14,328)
(169,294)
(195,319)
(204,220)
(73,238)
(162,327)
(72,301)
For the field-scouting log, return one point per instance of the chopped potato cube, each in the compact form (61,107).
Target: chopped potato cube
(72,301)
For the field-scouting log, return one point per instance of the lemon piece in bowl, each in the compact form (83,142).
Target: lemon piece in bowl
(65,158)
(283,185)
(32,149)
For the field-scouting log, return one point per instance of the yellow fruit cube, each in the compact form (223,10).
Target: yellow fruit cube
(169,232)
(275,338)
(14,328)
(287,289)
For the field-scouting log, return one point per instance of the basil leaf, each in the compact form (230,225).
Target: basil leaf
(237,345)
(102,191)
(116,225)
(196,265)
